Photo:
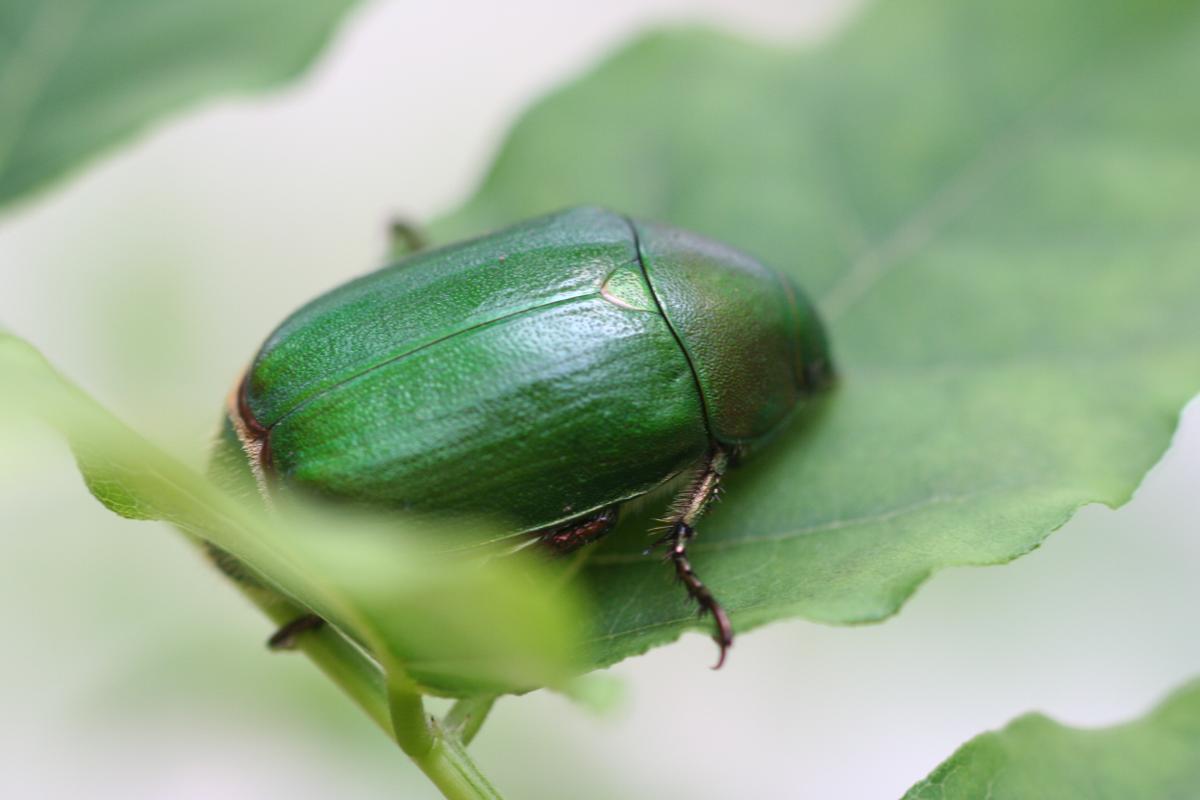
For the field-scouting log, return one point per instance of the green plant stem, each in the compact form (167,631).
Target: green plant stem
(387,696)
(398,709)
(466,717)
(343,663)
(434,748)
(454,773)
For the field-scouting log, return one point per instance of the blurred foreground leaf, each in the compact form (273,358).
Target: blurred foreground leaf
(995,204)
(433,621)
(1155,757)
(77,76)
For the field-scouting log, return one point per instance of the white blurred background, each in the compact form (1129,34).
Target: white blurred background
(130,670)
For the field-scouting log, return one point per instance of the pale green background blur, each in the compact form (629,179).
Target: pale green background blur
(131,671)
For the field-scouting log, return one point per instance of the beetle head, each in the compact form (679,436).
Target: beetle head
(812,367)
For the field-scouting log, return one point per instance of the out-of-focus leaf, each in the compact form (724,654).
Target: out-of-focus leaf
(995,204)
(1152,758)
(453,625)
(78,76)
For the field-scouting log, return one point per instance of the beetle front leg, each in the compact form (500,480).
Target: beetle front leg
(690,504)
(404,239)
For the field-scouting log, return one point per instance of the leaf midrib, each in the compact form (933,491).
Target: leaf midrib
(886,515)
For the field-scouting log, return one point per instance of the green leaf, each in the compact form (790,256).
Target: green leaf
(78,76)
(1157,756)
(434,620)
(994,204)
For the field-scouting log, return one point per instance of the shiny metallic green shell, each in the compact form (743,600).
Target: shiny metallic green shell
(544,371)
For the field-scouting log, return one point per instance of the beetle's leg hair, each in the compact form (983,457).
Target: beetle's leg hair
(681,529)
(285,637)
(405,238)
(578,532)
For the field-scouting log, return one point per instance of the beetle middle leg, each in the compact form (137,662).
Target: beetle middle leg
(690,504)
(578,532)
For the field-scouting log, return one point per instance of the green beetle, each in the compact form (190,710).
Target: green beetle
(546,374)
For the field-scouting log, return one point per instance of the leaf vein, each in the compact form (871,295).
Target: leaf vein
(957,195)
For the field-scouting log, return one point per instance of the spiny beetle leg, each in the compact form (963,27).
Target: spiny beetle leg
(687,508)
(285,637)
(578,532)
(698,591)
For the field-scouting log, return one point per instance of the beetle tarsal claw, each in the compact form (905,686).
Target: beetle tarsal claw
(724,642)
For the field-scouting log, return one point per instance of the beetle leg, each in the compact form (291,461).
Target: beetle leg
(578,532)
(681,529)
(404,239)
(285,637)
